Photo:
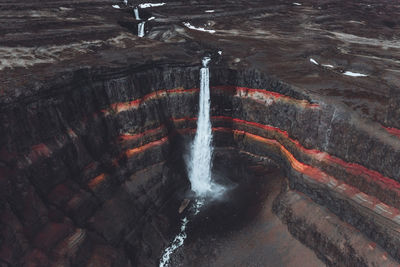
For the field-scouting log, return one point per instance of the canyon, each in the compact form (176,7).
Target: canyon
(96,122)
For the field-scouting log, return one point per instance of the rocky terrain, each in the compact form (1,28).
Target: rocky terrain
(95,122)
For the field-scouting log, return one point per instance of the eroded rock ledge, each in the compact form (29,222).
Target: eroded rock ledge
(87,168)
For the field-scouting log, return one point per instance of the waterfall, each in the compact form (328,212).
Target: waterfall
(141,24)
(201,149)
(141,29)
(199,164)
(136,11)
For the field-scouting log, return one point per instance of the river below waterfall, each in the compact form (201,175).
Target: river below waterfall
(240,228)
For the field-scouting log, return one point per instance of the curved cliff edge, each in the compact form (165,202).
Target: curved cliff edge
(92,136)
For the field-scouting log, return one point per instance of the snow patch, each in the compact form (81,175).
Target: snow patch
(220,52)
(210,11)
(151,18)
(65,8)
(354,74)
(313,61)
(296,4)
(146,5)
(190,26)
(116,6)
(328,66)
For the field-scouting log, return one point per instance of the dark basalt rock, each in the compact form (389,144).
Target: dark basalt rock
(94,122)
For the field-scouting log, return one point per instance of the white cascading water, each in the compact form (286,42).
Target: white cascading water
(201,150)
(199,164)
(136,12)
(179,238)
(141,29)
(176,243)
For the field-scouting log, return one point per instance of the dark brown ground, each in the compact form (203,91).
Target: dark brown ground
(48,46)
(41,40)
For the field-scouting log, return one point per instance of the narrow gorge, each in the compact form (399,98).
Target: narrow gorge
(100,116)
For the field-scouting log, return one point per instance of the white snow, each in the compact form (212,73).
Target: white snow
(296,4)
(126,2)
(65,8)
(115,6)
(151,18)
(146,5)
(313,61)
(210,11)
(190,26)
(220,52)
(328,66)
(354,74)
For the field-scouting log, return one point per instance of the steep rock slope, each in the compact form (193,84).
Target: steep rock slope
(94,124)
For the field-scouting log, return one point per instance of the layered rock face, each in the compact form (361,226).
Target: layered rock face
(96,181)
(92,184)
(94,127)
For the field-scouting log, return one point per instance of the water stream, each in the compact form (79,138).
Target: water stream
(201,149)
(136,12)
(141,29)
(200,161)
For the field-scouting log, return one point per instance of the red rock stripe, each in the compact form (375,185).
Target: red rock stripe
(134,151)
(270,128)
(329,181)
(242,91)
(40,150)
(313,173)
(297,165)
(393,131)
(96,180)
(352,168)
(130,137)
(123,106)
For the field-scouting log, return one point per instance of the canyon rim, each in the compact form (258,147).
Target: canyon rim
(100,110)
